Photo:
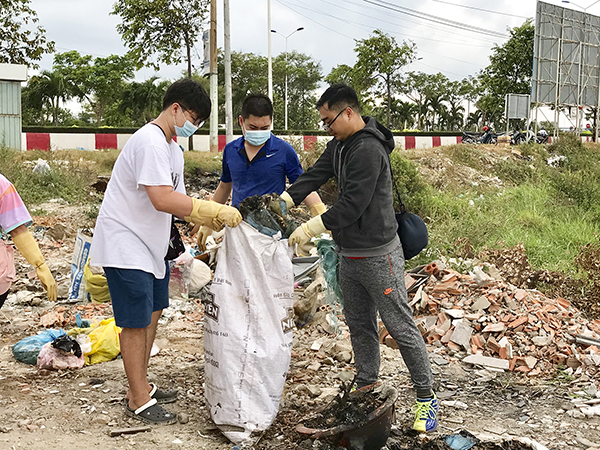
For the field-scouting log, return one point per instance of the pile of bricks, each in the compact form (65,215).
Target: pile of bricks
(62,316)
(489,322)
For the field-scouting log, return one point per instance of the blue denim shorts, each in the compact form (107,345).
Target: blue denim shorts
(136,295)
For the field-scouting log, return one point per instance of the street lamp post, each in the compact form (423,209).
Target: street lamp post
(286,70)
(575,4)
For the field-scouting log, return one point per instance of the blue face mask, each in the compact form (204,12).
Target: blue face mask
(187,129)
(257,137)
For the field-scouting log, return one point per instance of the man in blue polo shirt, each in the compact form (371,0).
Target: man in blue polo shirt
(258,163)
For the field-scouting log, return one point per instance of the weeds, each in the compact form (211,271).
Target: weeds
(206,161)
(413,191)
(68,178)
(469,155)
(515,172)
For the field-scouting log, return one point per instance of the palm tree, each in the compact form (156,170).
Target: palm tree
(403,114)
(49,88)
(143,101)
(436,109)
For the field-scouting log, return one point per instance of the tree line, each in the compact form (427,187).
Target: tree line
(401,99)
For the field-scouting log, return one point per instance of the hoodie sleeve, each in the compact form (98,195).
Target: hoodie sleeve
(362,171)
(314,177)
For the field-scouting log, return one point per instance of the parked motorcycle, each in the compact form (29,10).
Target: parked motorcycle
(518,137)
(488,137)
(470,138)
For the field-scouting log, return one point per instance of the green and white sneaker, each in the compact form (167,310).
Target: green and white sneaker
(426,414)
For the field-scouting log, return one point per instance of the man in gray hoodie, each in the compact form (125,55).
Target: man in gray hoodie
(364,228)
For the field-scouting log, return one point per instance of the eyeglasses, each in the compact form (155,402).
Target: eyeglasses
(197,122)
(327,126)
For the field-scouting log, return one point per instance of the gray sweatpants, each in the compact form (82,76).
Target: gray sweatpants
(377,284)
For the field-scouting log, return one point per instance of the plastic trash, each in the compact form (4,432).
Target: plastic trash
(81,323)
(201,275)
(84,342)
(28,349)
(105,342)
(181,273)
(56,359)
(81,252)
(67,344)
(461,441)
(258,212)
(41,167)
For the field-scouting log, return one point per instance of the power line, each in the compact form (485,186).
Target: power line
(387,21)
(481,9)
(394,32)
(312,20)
(435,19)
(410,21)
(337,32)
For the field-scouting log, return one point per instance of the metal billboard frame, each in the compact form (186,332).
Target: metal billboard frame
(566,66)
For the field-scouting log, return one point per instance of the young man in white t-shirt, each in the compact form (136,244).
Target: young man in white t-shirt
(133,230)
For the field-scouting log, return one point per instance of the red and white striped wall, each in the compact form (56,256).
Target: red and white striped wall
(101,141)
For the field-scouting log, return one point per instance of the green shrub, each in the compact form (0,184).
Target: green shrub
(413,191)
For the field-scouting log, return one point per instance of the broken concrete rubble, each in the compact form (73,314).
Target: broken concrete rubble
(523,329)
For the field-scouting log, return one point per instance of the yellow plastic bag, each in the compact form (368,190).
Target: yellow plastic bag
(96,285)
(105,342)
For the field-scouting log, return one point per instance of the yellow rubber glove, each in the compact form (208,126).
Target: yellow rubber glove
(30,250)
(307,231)
(288,200)
(213,214)
(317,209)
(203,233)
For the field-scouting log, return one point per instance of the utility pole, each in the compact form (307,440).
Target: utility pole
(214,99)
(286,70)
(270,60)
(228,94)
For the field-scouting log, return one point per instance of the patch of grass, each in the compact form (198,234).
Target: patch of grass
(515,171)
(39,212)
(68,179)
(468,155)
(551,231)
(205,161)
(532,149)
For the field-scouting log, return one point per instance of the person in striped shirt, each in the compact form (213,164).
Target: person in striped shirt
(14,220)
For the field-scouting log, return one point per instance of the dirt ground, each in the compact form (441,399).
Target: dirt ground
(53,410)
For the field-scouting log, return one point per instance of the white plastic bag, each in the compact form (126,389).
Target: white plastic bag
(248,331)
(181,274)
(201,275)
(81,252)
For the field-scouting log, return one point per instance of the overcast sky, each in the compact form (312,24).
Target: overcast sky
(330,28)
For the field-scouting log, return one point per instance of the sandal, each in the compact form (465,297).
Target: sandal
(161,396)
(152,413)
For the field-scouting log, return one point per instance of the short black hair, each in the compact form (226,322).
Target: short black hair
(258,105)
(190,95)
(339,96)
